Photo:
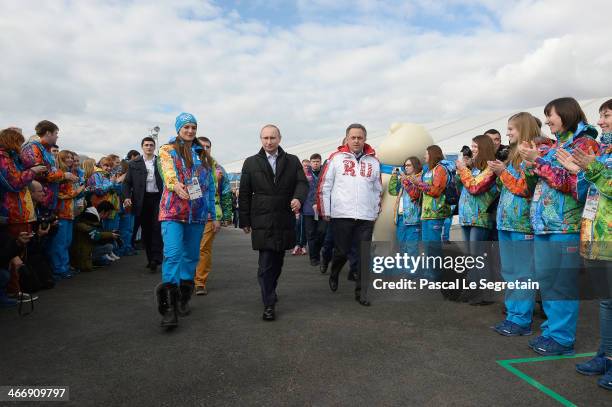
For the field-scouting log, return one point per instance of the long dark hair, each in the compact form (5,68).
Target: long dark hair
(184,152)
(486,151)
(435,156)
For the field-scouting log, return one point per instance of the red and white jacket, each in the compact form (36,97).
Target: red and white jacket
(350,188)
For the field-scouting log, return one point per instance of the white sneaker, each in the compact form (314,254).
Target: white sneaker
(113,256)
(24,297)
(108,257)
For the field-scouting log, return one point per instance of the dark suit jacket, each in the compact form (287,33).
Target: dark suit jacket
(135,183)
(264,199)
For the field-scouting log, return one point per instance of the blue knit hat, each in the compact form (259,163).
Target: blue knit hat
(184,118)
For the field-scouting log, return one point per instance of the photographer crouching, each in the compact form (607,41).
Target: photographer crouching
(91,245)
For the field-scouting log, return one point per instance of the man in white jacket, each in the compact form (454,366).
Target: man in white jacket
(349,194)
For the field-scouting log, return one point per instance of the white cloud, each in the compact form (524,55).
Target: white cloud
(106,71)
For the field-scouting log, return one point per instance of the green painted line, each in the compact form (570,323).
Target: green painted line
(507,364)
(545,358)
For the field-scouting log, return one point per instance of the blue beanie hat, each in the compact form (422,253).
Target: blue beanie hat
(184,118)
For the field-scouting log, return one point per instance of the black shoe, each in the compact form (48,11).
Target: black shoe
(333,281)
(268,314)
(167,304)
(365,303)
(186,289)
(314,262)
(352,276)
(323,267)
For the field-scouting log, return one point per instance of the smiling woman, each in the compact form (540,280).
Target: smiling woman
(188,201)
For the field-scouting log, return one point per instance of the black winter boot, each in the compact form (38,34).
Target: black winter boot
(186,291)
(167,299)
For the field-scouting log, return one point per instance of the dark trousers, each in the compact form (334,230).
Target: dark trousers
(151,227)
(327,249)
(270,267)
(350,234)
(315,233)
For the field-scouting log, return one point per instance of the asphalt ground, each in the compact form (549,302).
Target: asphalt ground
(99,334)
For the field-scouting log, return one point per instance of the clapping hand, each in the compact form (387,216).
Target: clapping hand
(179,189)
(528,152)
(582,159)
(567,161)
(496,166)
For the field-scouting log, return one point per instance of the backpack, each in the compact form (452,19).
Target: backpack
(451,194)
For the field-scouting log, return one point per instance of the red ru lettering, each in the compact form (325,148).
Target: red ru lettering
(349,168)
(362,170)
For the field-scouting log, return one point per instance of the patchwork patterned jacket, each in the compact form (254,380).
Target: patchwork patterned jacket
(407,206)
(173,169)
(35,153)
(554,207)
(15,201)
(478,193)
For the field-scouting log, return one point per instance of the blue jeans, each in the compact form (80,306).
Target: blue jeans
(475,234)
(300,231)
(181,250)
(126,228)
(605,326)
(59,246)
(432,230)
(448,222)
(516,251)
(408,237)
(556,269)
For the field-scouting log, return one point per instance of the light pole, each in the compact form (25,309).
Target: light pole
(154,133)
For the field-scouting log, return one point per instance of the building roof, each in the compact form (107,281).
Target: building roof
(450,134)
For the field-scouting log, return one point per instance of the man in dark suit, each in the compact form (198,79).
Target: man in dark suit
(273,187)
(142,190)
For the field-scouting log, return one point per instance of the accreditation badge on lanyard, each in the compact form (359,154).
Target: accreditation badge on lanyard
(538,192)
(193,186)
(590,207)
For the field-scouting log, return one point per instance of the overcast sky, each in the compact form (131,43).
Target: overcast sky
(107,71)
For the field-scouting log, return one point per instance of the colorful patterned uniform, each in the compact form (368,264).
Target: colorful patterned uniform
(223,195)
(103,189)
(407,204)
(433,185)
(596,227)
(478,193)
(172,169)
(15,201)
(66,198)
(554,208)
(515,201)
(35,153)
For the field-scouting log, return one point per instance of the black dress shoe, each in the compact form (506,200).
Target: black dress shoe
(333,282)
(153,267)
(268,314)
(365,303)
(323,267)
(314,262)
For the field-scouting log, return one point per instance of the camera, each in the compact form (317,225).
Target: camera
(119,241)
(466,151)
(46,221)
(502,153)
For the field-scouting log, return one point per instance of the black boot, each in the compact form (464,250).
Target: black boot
(167,299)
(186,291)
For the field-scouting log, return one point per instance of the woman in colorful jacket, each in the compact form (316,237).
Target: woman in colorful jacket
(595,187)
(514,230)
(105,187)
(555,218)
(434,209)
(478,192)
(407,207)
(59,246)
(187,201)
(16,207)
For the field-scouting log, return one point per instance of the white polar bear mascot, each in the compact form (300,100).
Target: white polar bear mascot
(404,140)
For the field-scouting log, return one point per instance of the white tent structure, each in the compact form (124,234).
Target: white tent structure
(450,135)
